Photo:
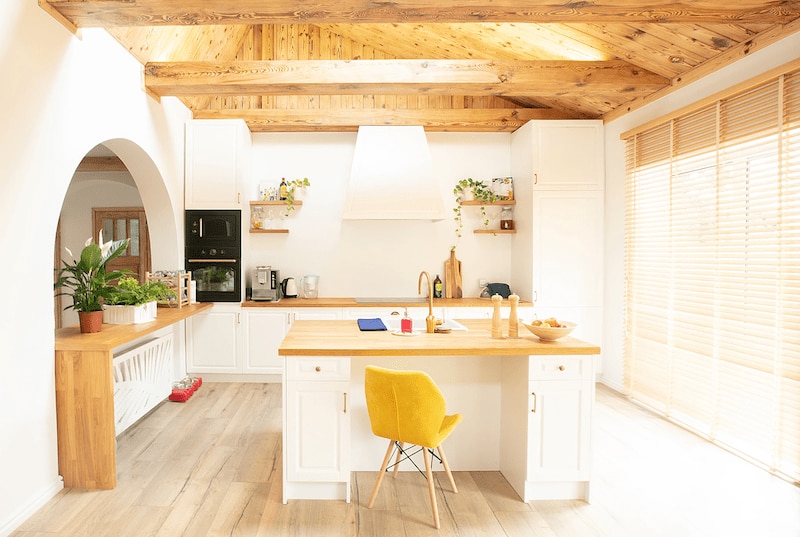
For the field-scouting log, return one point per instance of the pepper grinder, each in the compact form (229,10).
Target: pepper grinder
(513,322)
(497,329)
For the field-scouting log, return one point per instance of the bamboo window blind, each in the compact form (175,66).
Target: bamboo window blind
(712,248)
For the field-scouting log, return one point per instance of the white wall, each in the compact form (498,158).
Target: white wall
(373,258)
(758,62)
(63,96)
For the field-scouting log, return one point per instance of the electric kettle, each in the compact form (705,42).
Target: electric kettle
(289,288)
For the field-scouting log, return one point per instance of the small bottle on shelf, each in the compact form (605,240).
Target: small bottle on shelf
(437,287)
(506,218)
(283,189)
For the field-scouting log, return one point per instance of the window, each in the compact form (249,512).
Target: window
(712,245)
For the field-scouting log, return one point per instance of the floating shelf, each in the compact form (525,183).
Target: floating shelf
(496,231)
(498,202)
(296,203)
(259,230)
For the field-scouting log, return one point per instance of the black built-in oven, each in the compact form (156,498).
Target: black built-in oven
(214,254)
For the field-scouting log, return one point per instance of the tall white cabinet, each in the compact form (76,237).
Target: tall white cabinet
(557,254)
(218,161)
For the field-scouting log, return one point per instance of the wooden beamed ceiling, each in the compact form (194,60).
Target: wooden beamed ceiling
(488,65)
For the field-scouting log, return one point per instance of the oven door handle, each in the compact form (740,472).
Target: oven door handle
(212,260)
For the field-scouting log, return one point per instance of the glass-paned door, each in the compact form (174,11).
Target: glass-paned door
(119,223)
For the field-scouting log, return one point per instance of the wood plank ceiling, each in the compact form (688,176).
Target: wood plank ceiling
(465,65)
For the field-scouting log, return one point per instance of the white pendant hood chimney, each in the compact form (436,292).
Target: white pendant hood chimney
(392,177)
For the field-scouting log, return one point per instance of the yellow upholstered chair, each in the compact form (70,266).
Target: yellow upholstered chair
(407,408)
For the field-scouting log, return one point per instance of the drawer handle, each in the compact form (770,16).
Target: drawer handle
(534,401)
(561,368)
(318,369)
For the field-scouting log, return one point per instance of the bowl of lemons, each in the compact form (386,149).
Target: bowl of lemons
(550,329)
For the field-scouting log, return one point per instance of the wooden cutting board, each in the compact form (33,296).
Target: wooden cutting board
(452,277)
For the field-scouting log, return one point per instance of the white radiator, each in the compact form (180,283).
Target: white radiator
(142,379)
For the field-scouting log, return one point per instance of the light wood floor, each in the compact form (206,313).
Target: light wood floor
(211,467)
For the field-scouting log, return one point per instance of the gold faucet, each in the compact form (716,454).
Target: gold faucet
(430,320)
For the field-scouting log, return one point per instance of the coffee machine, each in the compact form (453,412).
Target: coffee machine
(265,285)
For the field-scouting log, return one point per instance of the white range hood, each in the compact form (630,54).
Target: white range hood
(392,177)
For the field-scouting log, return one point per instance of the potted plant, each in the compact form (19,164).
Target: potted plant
(131,302)
(472,189)
(88,281)
(291,186)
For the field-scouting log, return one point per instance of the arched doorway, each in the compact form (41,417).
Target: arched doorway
(124,175)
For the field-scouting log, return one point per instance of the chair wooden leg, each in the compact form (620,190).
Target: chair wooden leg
(447,468)
(431,488)
(397,459)
(384,464)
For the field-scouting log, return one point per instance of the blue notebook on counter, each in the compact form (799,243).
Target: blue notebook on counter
(371,325)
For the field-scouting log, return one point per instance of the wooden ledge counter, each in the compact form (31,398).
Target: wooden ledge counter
(343,338)
(85,396)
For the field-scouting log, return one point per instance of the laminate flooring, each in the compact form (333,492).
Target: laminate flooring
(212,467)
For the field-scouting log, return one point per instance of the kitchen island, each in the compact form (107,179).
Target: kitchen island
(526,404)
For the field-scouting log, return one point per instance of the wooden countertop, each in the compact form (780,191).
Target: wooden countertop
(343,338)
(114,335)
(353,303)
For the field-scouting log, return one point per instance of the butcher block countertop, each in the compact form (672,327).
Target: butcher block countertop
(343,338)
(379,303)
(114,335)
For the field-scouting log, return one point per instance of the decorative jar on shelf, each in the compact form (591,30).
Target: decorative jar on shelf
(506,218)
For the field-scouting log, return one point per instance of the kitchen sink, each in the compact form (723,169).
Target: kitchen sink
(391,299)
(393,324)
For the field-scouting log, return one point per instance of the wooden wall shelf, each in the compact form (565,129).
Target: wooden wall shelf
(498,202)
(296,203)
(260,230)
(495,231)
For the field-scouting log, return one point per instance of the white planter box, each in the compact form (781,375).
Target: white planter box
(130,314)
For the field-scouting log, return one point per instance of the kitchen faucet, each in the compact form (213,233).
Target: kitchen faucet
(430,320)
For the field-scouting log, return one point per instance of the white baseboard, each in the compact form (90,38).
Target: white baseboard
(6,527)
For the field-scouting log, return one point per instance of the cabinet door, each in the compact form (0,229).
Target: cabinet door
(317,431)
(568,154)
(213,344)
(263,331)
(559,430)
(217,156)
(567,249)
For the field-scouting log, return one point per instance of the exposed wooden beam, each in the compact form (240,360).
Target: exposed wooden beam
(345,120)
(396,77)
(101,164)
(107,13)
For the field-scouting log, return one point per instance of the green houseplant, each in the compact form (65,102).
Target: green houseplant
(291,187)
(131,302)
(472,189)
(88,281)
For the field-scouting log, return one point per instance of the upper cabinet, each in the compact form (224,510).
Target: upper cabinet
(218,162)
(563,155)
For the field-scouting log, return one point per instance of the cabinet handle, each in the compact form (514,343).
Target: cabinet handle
(318,369)
(345,403)
(561,368)
(535,178)
(534,401)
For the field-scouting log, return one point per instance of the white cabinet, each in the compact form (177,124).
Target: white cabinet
(218,160)
(316,314)
(564,154)
(213,341)
(557,256)
(316,428)
(263,331)
(550,457)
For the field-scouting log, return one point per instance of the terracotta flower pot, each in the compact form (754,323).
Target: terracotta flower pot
(90,321)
